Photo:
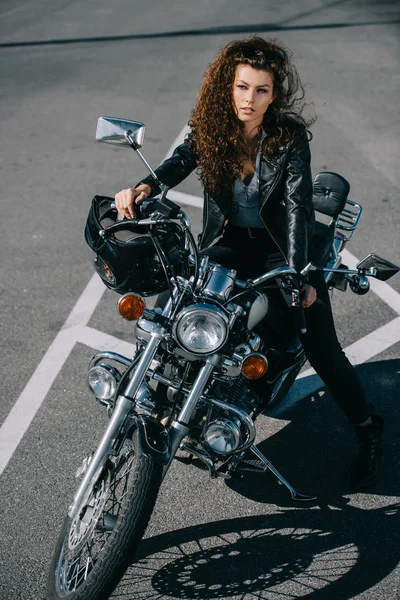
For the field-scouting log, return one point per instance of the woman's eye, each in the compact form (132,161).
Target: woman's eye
(262,91)
(242,87)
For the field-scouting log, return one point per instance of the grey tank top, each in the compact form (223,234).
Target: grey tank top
(245,211)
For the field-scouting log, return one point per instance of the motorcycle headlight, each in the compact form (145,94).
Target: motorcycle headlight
(201,328)
(223,436)
(103,381)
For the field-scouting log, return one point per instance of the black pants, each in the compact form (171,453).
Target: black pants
(252,256)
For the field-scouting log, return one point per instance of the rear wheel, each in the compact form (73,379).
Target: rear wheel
(95,547)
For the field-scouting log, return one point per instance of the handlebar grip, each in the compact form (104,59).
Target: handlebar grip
(299,316)
(300,319)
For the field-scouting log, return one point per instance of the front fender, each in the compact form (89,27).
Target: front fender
(154,440)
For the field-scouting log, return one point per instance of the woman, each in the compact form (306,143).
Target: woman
(249,144)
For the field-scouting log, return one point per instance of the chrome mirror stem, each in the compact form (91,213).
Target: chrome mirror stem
(134,146)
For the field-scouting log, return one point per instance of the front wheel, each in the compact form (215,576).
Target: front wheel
(96,546)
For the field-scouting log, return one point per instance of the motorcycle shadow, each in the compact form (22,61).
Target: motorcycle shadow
(336,548)
(323,554)
(315,449)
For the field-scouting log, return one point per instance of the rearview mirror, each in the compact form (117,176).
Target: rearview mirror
(113,131)
(384,269)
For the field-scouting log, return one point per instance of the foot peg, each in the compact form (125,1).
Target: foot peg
(267,466)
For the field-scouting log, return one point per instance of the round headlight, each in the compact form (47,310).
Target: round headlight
(223,436)
(201,329)
(103,381)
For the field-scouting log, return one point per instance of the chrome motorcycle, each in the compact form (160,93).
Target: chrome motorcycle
(201,373)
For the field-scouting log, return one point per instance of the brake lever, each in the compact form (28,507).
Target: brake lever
(129,224)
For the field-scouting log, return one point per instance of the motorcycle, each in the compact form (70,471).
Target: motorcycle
(201,374)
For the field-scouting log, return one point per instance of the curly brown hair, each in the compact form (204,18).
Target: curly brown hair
(216,132)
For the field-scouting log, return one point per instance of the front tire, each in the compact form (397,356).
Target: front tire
(95,547)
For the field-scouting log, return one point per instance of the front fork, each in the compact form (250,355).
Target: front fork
(180,427)
(123,408)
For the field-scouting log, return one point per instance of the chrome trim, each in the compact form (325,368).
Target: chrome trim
(112,130)
(121,412)
(245,419)
(230,368)
(219,283)
(185,219)
(146,164)
(359,284)
(144,403)
(143,364)
(144,328)
(167,381)
(269,466)
(202,455)
(110,356)
(278,272)
(243,350)
(124,406)
(177,431)
(197,388)
(349,218)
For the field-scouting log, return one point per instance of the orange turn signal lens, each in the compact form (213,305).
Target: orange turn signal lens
(254,366)
(131,306)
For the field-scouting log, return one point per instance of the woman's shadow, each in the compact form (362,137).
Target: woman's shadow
(337,547)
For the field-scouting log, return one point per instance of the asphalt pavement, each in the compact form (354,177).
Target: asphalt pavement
(64,64)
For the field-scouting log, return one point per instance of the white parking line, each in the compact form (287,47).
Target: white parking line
(35,391)
(24,410)
(380,288)
(75,330)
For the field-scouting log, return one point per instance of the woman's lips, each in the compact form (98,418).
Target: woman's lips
(247,110)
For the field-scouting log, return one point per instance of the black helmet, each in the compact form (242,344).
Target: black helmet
(128,261)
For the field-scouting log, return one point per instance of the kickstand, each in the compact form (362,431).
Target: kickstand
(268,466)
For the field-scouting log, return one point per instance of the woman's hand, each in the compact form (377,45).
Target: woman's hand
(125,200)
(309,296)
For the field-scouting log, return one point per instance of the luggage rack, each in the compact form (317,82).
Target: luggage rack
(348,219)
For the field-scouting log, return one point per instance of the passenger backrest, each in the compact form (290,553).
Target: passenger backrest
(330,192)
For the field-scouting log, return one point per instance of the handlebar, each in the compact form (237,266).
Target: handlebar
(298,310)
(278,272)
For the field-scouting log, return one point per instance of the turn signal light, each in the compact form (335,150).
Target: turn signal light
(131,306)
(254,366)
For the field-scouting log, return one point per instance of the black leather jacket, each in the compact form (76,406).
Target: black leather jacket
(285,197)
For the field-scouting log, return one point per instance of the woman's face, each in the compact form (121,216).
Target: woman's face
(253,92)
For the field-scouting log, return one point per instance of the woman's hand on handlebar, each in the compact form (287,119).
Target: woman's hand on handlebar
(309,296)
(125,200)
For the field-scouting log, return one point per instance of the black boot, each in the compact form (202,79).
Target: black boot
(367,465)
